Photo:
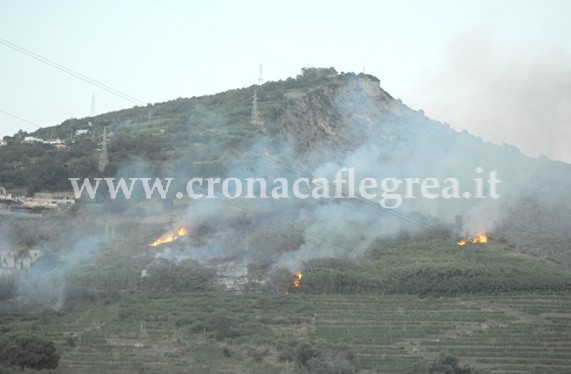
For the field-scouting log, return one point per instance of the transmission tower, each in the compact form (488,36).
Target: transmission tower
(103,157)
(256,117)
(92,109)
(261,76)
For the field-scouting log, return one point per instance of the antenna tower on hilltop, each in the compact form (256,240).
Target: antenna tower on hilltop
(257,120)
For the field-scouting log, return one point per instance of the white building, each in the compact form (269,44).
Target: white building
(13,262)
(50,199)
(32,139)
(53,141)
(4,195)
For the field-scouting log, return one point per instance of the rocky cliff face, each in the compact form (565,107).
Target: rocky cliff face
(338,116)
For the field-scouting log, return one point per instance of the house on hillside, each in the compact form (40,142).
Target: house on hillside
(12,262)
(33,139)
(4,195)
(51,199)
(58,143)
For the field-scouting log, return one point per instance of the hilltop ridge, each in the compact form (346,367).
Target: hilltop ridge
(319,121)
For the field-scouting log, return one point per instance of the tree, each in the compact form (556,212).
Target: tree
(221,325)
(187,275)
(447,364)
(28,352)
(314,358)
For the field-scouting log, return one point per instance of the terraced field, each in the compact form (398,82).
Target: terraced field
(505,334)
(390,334)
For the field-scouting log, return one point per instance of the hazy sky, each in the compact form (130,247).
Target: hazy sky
(501,70)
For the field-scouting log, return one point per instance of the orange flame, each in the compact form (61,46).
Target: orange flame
(297,281)
(483,239)
(170,237)
(478,239)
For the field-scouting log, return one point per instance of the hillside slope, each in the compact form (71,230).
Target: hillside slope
(310,126)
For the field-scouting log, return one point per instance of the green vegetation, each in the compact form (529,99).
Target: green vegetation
(433,267)
(187,275)
(177,317)
(276,333)
(28,352)
(447,364)
(195,136)
(315,358)
(33,166)
(354,316)
(100,300)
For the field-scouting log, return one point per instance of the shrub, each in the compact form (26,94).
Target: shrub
(325,359)
(28,352)
(221,325)
(447,364)
(226,352)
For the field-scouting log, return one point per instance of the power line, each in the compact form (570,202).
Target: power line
(221,33)
(195,20)
(132,99)
(20,118)
(71,72)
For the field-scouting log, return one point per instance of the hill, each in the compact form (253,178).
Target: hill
(291,284)
(309,126)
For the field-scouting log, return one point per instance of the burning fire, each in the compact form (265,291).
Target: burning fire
(478,239)
(297,281)
(170,237)
(483,239)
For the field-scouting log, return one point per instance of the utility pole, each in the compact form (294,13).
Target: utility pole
(103,157)
(92,110)
(257,120)
(256,117)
